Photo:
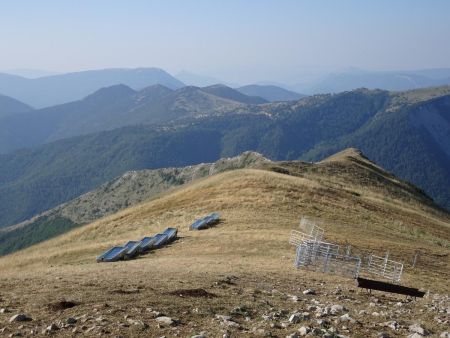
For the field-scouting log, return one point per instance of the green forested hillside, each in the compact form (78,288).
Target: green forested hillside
(114,107)
(390,128)
(413,142)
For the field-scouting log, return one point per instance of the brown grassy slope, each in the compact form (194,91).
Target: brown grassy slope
(259,208)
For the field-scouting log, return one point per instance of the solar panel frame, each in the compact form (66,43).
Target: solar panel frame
(146,243)
(161,240)
(132,249)
(114,254)
(171,234)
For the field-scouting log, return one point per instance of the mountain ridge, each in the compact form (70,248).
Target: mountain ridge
(62,88)
(280,131)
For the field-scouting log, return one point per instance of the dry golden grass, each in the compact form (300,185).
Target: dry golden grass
(258,209)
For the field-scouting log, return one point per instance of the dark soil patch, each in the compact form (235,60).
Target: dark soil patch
(198,293)
(62,305)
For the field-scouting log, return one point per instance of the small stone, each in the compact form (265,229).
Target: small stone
(445,335)
(294,298)
(346,318)
(3,310)
(71,321)
(166,321)
(303,331)
(416,328)
(336,309)
(230,323)
(392,325)
(19,318)
(382,335)
(199,336)
(294,318)
(52,328)
(223,317)
(309,292)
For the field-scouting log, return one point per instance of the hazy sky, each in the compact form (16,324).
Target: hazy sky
(242,41)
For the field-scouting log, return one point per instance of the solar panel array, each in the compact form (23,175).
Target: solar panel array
(205,222)
(132,249)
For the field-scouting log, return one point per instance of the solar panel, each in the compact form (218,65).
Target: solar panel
(205,222)
(161,239)
(147,243)
(112,255)
(171,234)
(132,249)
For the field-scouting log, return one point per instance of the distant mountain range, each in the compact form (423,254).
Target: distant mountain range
(387,80)
(115,107)
(57,89)
(46,91)
(407,132)
(270,93)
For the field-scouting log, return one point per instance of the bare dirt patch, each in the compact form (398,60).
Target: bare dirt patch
(62,305)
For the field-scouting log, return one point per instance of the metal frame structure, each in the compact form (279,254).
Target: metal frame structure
(384,267)
(313,253)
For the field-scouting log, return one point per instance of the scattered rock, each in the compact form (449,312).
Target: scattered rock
(309,292)
(223,317)
(52,328)
(294,318)
(166,321)
(392,325)
(19,318)
(303,331)
(336,309)
(71,321)
(416,328)
(294,298)
(347,318)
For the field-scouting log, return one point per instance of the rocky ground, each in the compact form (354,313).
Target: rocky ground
(229,306)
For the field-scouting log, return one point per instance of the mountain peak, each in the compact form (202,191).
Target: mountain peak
(114,91)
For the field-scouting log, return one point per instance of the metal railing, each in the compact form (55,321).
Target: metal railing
(313,253)
(384,267)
